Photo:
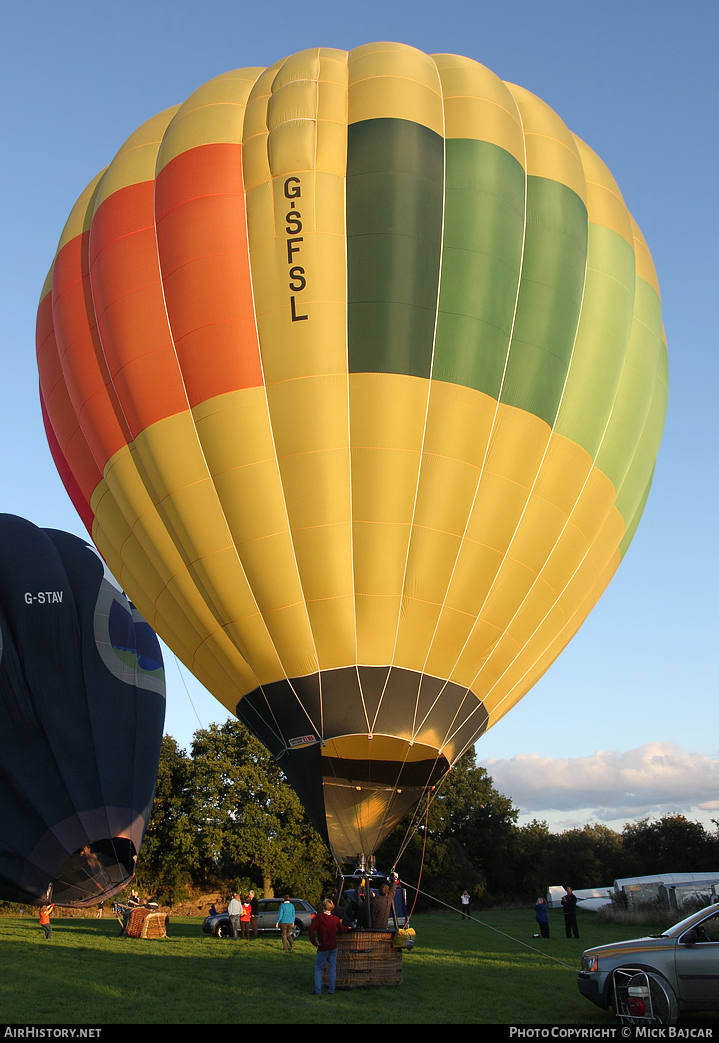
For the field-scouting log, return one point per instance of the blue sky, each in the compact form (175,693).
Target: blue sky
(626,722)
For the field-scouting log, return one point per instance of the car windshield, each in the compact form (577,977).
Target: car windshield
(687,922)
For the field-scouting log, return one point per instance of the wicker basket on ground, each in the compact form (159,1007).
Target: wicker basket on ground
(143,923)
(367,959)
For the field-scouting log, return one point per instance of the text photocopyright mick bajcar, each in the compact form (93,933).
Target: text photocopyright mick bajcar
(611,1032)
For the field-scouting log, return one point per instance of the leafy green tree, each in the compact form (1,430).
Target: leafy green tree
(610,852)
(168,857)
(224,817)
(467,839)
(470,811)
(531,851)
(588,857)
(672,844)
(248,819)
(439,870)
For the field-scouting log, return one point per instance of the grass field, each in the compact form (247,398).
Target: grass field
(458,972)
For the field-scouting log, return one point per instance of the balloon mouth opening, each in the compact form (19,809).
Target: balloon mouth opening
(94,872)
(357,785)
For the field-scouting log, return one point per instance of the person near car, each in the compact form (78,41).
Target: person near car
(285,923)
(234,911)
(253,914)
(541,915)
(323,935)
(569,904)
(245,919)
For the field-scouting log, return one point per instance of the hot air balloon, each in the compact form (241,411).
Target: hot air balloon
(354,368)
(82,706)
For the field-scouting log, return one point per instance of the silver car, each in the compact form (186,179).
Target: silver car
(652,980)
(267,910)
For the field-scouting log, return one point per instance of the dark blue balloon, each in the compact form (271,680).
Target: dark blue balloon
(82,708)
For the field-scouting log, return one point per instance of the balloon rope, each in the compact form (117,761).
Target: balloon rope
(421,864)
(410,832)
(413,826)
(187,690)
(454,909)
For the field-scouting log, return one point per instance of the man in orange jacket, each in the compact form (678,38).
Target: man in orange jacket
(45,911)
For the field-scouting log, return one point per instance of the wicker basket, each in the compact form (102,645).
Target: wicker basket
(145,924)
(367,960)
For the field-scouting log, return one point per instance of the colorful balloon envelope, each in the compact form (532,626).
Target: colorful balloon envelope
(82,706)
(354,368)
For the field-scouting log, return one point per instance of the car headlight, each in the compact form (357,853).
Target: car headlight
(590,962)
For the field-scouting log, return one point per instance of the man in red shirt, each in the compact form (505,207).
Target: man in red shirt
(323,935)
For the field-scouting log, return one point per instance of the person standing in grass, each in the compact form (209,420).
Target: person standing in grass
(541,915)
(245,920)
(323,935)
(45,911)
(569,904)
(234,911)
(254,908)
(464,899)
(285,923)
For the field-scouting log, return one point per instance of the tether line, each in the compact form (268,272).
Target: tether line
(496,929)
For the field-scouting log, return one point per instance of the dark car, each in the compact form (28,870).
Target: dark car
(267,910)
(652,980)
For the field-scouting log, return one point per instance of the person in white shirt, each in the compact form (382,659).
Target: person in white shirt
(234,911)
(464,899)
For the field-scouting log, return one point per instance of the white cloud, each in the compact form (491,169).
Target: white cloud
(656,778)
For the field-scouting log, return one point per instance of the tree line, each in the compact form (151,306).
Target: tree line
(225,818)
